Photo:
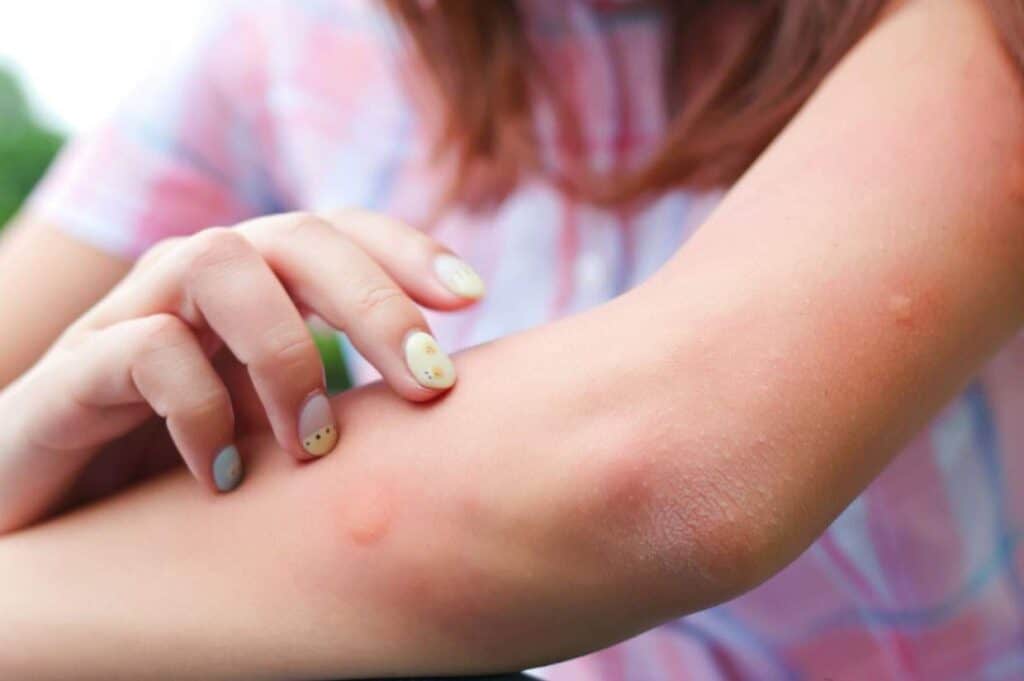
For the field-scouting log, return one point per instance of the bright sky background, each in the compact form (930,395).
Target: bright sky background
(77,58)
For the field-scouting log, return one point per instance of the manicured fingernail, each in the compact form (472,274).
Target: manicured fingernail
(317,430)
(227,469)
(458,277)
(429,365)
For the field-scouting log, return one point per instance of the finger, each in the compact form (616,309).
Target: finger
(245,304)
(119,376)
(430,273)
(350,291)
(158,250)
(174,376)
(218,280)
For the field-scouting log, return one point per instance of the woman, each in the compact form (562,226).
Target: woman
(718,432)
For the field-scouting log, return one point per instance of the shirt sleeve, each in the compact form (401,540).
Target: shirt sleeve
(182,153)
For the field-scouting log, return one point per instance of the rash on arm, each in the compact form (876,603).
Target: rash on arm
(654,456)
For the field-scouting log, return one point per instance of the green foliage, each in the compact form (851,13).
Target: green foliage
(333,355)
(26,147)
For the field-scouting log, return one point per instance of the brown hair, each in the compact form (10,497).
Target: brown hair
(737,71)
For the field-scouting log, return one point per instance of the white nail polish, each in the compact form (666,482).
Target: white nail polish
(458,277)
(429,365)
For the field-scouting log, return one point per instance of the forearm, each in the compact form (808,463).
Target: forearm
(582,482)
(476,533)
(591,477)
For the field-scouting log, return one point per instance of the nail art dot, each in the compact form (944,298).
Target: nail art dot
(320,442)
(317,432)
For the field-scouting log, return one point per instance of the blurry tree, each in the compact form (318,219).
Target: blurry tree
(26,147)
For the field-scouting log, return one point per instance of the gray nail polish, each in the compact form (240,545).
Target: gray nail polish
(227,469)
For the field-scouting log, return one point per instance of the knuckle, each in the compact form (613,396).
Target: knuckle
(204,405)
(351,219)
(288,352)
(163,331)
(302,223)
(214,247)
(376,298)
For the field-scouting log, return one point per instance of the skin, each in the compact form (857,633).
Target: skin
(541,510)
(153,346)
(30,254)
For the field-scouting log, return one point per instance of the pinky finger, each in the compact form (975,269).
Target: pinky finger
(173,374)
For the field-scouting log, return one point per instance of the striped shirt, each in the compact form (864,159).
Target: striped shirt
(313,104)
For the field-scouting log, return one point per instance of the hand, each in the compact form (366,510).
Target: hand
(152,347)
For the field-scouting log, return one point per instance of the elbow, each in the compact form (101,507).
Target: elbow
(698,528)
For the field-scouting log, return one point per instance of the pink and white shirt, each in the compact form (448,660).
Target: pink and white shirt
(307,104)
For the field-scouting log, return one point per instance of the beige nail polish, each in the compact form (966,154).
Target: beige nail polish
(458,277)
(318,431)
(429,365)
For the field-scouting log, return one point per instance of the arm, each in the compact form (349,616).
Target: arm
(156,189)
(47,279)
(593,477)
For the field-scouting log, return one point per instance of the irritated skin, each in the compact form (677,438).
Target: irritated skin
(590,478)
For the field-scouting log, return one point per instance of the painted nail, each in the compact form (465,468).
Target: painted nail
(317,430)
(227,469)
(458,277)
(429,365)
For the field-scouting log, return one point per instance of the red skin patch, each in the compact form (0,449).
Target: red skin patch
(913,304)
(902,309)
(367,513)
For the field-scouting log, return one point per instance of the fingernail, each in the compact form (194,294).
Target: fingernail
(317,430)
(227,469)
(458,277)
(429,365)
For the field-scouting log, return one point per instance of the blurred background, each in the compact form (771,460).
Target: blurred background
(65,65)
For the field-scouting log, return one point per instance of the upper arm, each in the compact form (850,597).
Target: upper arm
(47,279)
(847,286)
(853,280)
